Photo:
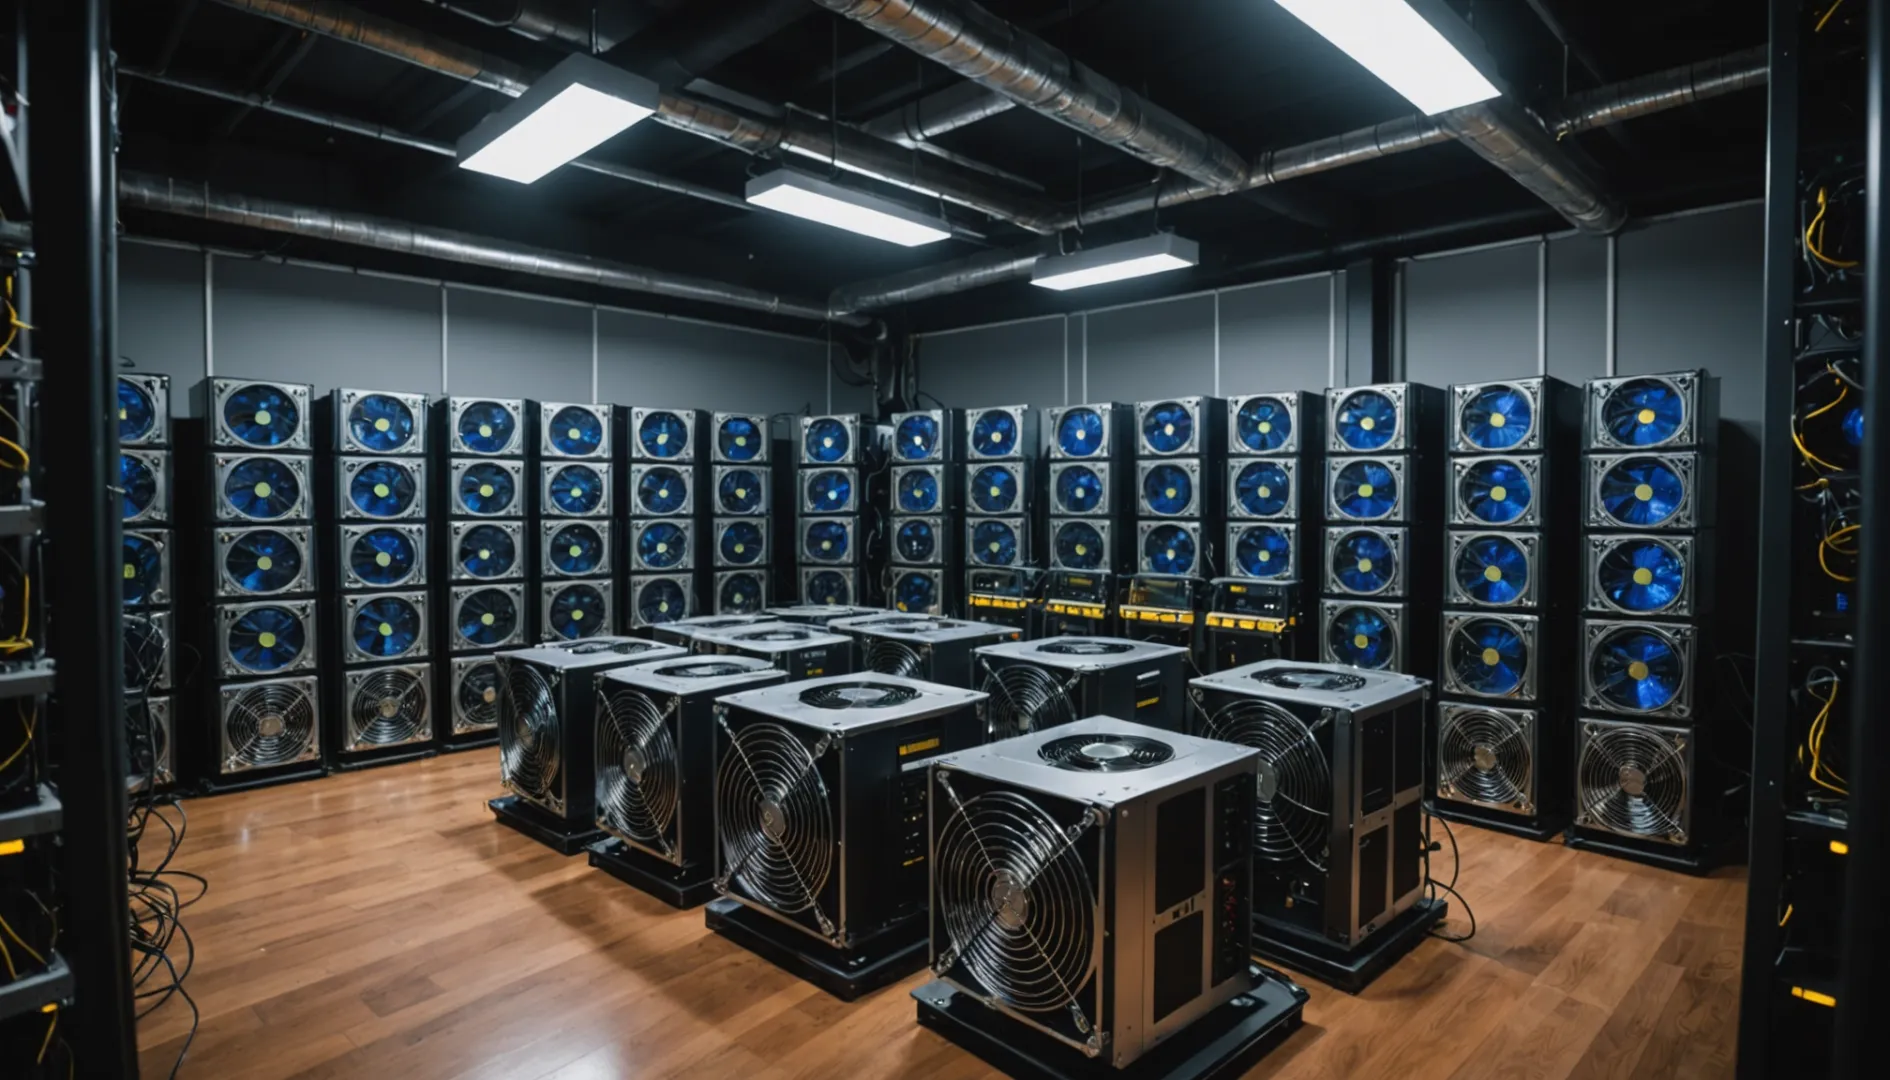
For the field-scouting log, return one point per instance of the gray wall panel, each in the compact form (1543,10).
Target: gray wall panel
(326,327)
(512,346)
(1152,351)
(649,360)
(1578,308)
(1277,336)
(160,315)
(1471,317)
(1017,363)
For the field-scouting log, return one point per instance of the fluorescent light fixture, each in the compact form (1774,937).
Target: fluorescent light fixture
(1117,262)
(810,197)
(1400,46)
(576,105)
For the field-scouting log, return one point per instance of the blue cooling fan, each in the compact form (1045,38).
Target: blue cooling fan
(383,557)
(994,434)
(663,434)
(1362,637)
(1496,491)
(740,594)
(829,587)
(1854,427)
(261,415)
(1080,433)
(486,617)
(915,590)
(144,568)
(1636,670)
(664,601)
(487,489)
(1365,490)
(1168,490)
(487,427)
(994,490)
(263,561)
(740,439)
(1168,427)
(1642,575)
(137,414)
(1079,490)
(826,541)
(1365,562)
(1080,546)
(262,488)
(140,484)
(830,491)
(579,610)
(1169,549)
(1263,425)
(381,423)
(267,639)
(660,490)
(1489,657)
(487,551)
(739,491)
(576,550)
(662,545)
(917,438)
(827,441)
(994,543)
(383,489)
(1492,570)
(915,541)
(743,543)
(575,432)
(1496,418)
(1644,412)
(1263,552)
(385,627)
(1262,489)
(1641,492)
(918,492)
(1367,420)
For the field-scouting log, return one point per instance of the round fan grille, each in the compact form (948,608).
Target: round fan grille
(1263,424)
(1331,682)
(1853,427)
(1493,570)
(1496,417)
(663,434)
(477,695)
(829,587)
(994,543)
(1261,488)
(1023,699)
(144,569)
(262,488)
(145,644)
(827,541)
(742,543)
(776,826)
(1079,545)
(578,611)
(486,617)
(1168,427)
(1637,668)
(269,724)
(1168,490)
(917,437)
(830,491)
(261,415)
(140,484)
(1080,433)
(918,492)
(1367,420)
(1169,549)
(383,489)
(389,707)
(712,669)
(576,549)
(1485,757)
(1495,491)
(579,489)
(994,489)
(487,551)
(266,639)
(915,540)
(739,491)
(827,441)
(381,423)
(662,490)
(1078,490)
(858,695)
(664,601)
(1633,780)
(1489,656)
(1641,492)
(662,544)
(1105,753)
(915,590)
(385,627)
(1642,575)
(1644,412)
(263,561)
(576,432)
(1293,798)
(1362,637)
(637,777)
(529,737)
(487,489)
(1016,901)
(486,427)
(1364,561)
(1365,490)
(740,439)
(1085,647)
(994,434)
(1262,551)
(137,414)
(888,657)
(739,593)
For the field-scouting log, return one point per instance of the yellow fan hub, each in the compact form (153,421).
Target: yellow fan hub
(1643,576)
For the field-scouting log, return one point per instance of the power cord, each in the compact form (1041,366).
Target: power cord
(1456,866)
(163,949)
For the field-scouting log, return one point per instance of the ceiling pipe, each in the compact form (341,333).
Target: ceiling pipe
(959,275)
(565,21)
(1658,92)
(142,191)
(1508,137)
(797,134)
(1001,56)
(958,105)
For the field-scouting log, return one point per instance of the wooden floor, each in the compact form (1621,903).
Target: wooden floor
(381,925)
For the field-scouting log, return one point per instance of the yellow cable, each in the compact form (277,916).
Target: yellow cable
(1787,917)
(1843,392)
(1826,17)
(1826,566)
(13,973)
(1807,454)
(29,723)
(47,1044)
(1817,226)
(30,951)
(1814,738)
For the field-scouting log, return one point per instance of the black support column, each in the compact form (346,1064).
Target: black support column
(1368,288)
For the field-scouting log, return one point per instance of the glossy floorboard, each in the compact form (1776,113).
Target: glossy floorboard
(382,925)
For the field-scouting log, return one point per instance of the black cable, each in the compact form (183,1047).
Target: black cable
(1456,867)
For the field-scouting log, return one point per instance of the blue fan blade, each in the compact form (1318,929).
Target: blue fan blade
(740,439)
(1637,670)
(918,492)
(1263,552)
(829,587)
(385,628)
(743,543)
(1262,489)
(381,423)
(261,416)
(1493,570)
(741,594)
(262,488)
(1080,433)
(577,611)
(830,492)
(662,545)
(137,415)
(1497,418)
(486,427)
(1644,412)
(139,484)
(994,490)
(1263,425)
(263,561)
(739,492)
(1366,490)
(915,541)
(1496,492)
(382,557)
(995,434)
(1642,576)
(487,617)
(917,438)
(1367,420)
(915,592)
(576,549)
(1168,490)
(1079,490)
(994,543)
(382,489)
(1364,562)
(827,441)
(1080,545)
(1642,492)
(1168,427)
(661,602)
(143,562)
(266,639)
(1361,637)
(576,432)
(1489,657)
(660,491)
(486,489)
(663,434)
(1854,427)
(1169,550)
(487,552)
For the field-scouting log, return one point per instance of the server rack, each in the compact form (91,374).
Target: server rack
(831,543)
(671,537)
(1258,610)
(150,580)
(1089,488)
(1180,451)
(925,498)
(577,592)
(742,491)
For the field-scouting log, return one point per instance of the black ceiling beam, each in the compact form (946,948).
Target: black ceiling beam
(175,36)
(304,44)
(695,39)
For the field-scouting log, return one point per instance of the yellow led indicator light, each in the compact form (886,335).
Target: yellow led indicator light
(1839,847)
(130,571)
(14,847)
(1814,997)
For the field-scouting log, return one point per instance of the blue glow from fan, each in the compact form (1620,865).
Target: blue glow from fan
(662,544)
(739,491)
(1495,492)
(1263,551)
(829,587)
(1262,488)
(743,543)
(915,591)
(1080,546)
(1079,490)
(576,549)
(827,441)
(994,543)
(1168,428)
(827,541)
(830,491)
(1080,433)
(740,439)
(385,627)
(1644,412)
(917,438)
(916,540)
(261,415)
(1169,549)
(994,489)
(1365,490)
(262,488)
(1168,490)
(995,434)
(662,490)
(1640,492)
(1365,562)
(1361,637)
(486,427)
(139,482)
(1854,426)
(487,551)
(382,489)
(1493,570)
(1367,420)
(1496,418)
(1488,657)
(663,435)
(741,595)
(1263,424)
(266,639)
(487,617)
(1636,670)
(918,492)
(383,557)
(137,414)
(487,489)
(381,423)
(663,601)
(263,561)
(576,432)
(1642,576)
(579,611)
(144,563)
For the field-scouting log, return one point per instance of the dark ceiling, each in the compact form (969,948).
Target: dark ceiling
(1243,70)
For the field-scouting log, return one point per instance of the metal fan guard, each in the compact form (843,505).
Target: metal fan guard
(1486,758)
(370,721)
(1632,779)
(529,740)
(267,725)
(1294,792)
(1023,699)
(775,824)
(638,785)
